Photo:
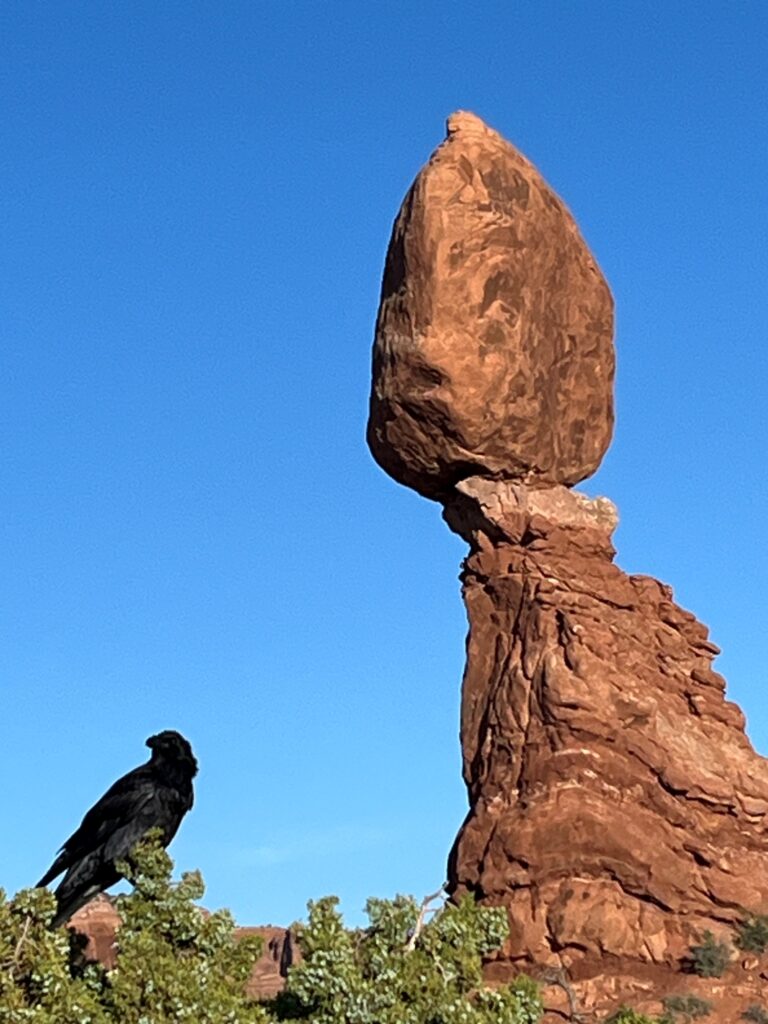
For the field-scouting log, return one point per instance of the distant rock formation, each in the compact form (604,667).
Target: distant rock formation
(99,922)
(616,807)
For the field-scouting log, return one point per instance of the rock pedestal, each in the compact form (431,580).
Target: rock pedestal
(616,807)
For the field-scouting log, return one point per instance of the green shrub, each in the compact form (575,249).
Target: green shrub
(756,1014)
(177,964)
(379,975)
(710,958)
(686,1008)
(625,1015)
(752,934)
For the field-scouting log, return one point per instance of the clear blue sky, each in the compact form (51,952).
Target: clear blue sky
(196,202)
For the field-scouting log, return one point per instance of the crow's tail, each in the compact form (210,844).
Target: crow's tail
(61,863)
(70,903)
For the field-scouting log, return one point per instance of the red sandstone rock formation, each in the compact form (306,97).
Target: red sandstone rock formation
(99,922)
(617,808)
(494,340)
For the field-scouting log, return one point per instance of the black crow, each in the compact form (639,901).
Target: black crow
(155,795)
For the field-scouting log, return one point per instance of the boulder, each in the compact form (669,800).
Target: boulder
(494,340)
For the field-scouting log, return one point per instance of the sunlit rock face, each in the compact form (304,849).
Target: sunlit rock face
(616,806)
(494,341)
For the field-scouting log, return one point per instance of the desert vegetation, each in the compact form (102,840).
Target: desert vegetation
(177,963)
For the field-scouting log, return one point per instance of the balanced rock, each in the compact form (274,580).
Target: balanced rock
(616,806)
(494,341)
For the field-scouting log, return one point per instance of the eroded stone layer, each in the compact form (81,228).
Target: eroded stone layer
(494,340)
(617,807)
(98,923)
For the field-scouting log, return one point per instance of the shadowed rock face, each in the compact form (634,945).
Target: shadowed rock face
(616,807)
(493,349)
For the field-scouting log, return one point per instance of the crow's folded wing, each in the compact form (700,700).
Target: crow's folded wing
(122,804)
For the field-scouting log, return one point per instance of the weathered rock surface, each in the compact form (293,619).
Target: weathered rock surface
(99,922)
(494,341)
(616,806)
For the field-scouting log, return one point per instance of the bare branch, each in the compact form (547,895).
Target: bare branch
(557,976)
(424,909)
(13,963)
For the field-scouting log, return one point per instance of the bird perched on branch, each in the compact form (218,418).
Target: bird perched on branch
(156,795)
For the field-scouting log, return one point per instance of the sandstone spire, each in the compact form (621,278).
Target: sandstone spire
(616,806)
